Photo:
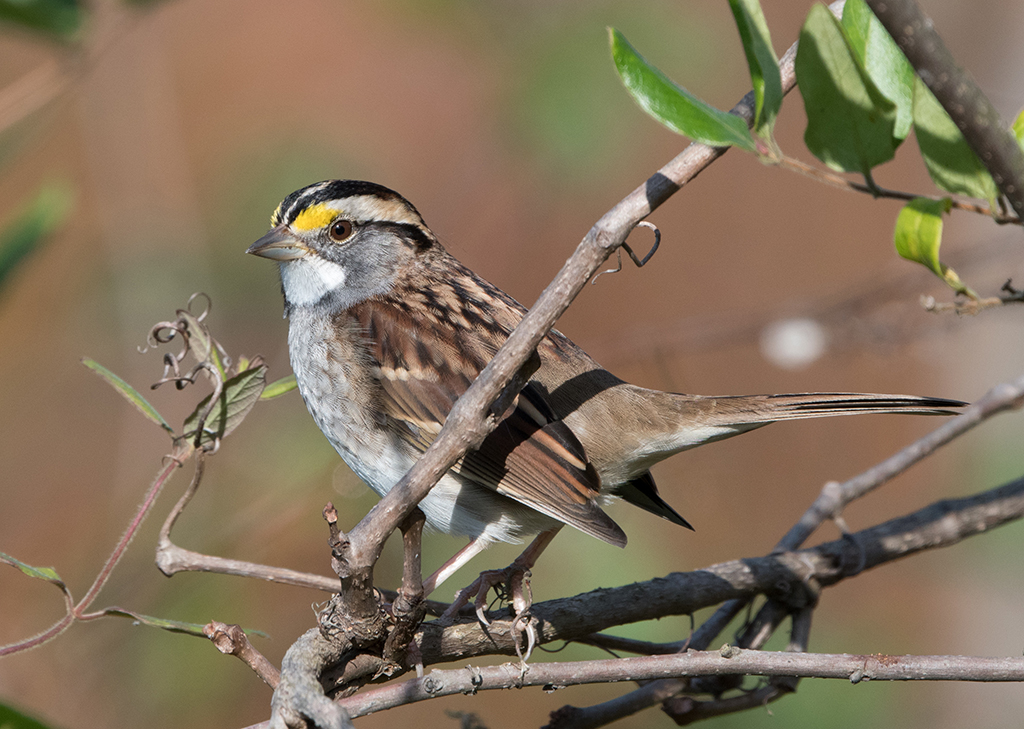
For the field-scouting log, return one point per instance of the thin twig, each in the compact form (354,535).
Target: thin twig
(974,306)
(842,183)
(693,663)
(140,515)
(77,611)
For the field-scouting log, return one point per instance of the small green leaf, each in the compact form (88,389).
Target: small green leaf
(952,164)
(919,231)
(918,236)
(175,626)
(40,573)
(13,719)
(279,387)
(673,106)
(850,124)
(33,225)
(763,63)
(129,393)
(238,397)
(1018,128)
(884,61)
(60,17)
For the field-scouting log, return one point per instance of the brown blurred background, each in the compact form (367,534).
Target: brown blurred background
(507,127)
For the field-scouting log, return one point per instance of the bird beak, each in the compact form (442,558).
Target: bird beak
(278,245)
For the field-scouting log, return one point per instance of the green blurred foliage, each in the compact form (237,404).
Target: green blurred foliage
(10,718)
(33,226)
(59,18)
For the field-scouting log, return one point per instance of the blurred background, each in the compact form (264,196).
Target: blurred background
(156,139)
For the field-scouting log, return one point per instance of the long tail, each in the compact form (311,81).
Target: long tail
(769,408)
(707,419)
(702,419)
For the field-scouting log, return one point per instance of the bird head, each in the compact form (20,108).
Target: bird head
(343,241)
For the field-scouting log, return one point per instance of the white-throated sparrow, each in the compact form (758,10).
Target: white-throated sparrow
(387,330)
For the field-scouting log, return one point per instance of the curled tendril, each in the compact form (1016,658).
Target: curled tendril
(162,333)
(640,262)
(211,358)
(172,362)
(206,310)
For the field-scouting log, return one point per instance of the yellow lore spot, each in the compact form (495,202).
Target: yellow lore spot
(313,217)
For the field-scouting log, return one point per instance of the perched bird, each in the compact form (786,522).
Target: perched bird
(387,330)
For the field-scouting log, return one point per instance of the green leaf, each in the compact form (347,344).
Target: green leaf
(952,164)
(40,573)
(33,225)
(129,393)
(61,17)
(884,61)
(850,124)
(673,106)
(12,719)
(174,626)
(918,236)
(278,388)
(1018,128)
(763,63)
(239,395)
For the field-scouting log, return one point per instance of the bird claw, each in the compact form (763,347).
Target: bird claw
(517,579)
(524,624)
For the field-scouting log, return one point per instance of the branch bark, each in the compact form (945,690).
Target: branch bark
(726,662)
(792,578)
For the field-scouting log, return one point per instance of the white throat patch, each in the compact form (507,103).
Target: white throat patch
(308,279)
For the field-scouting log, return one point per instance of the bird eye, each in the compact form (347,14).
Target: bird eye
(340,230)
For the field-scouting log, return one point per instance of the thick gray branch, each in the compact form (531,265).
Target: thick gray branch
(786,577)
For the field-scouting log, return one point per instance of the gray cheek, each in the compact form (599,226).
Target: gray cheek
(370,265)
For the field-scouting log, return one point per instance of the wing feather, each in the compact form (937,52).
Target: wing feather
(424,362)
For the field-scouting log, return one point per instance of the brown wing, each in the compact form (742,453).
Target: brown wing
(426,361)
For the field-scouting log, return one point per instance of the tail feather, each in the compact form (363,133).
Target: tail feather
(824,404)
(704,419)
(693,420)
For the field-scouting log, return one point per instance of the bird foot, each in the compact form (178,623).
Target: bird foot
(511,583)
